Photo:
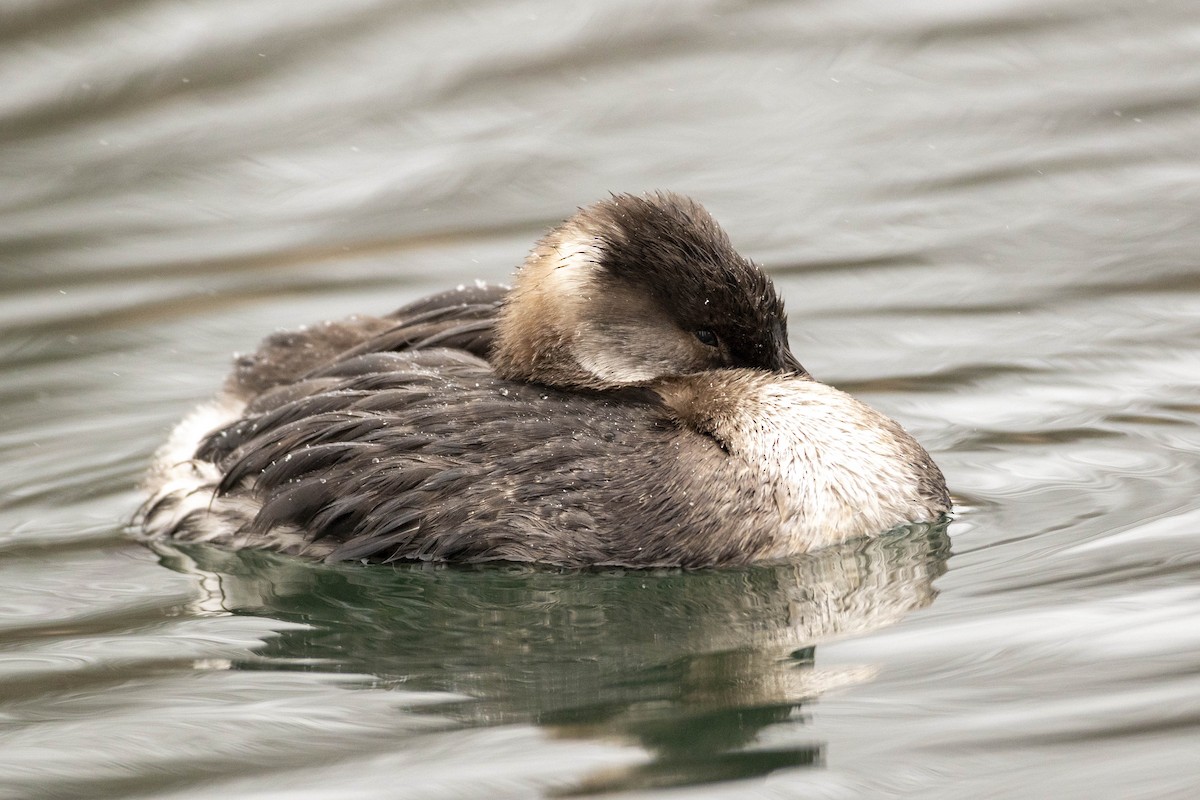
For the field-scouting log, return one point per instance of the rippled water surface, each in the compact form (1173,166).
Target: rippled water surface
(985,218)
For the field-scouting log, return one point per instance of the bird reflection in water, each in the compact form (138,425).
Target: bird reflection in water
(690,666)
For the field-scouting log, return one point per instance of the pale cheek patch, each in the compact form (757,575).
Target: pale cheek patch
(571,281)
(615,368)
(641,348)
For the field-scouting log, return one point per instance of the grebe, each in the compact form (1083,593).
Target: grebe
(631,400)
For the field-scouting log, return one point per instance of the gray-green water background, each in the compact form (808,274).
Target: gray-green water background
(985,217)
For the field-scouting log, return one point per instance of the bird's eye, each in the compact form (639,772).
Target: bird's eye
(707,337)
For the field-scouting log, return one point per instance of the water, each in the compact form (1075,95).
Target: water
(985,218)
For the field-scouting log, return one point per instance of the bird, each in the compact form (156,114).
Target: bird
(631,401)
